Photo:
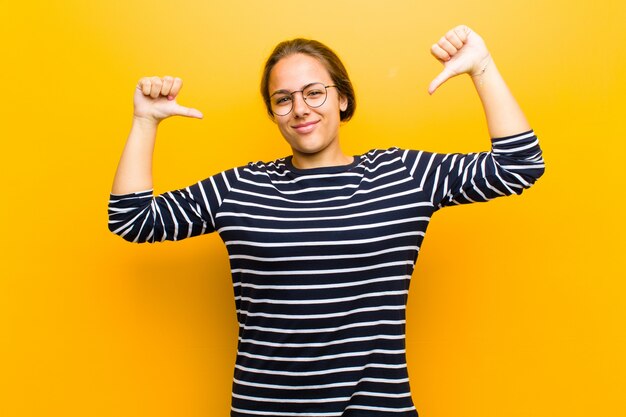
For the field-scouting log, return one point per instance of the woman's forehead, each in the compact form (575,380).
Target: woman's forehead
(295,71)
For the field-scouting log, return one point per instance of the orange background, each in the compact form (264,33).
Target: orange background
(517,307)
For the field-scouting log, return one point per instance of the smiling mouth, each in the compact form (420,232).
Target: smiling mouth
(305,127)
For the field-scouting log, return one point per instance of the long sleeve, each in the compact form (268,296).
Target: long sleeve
(141,217)
(514,164)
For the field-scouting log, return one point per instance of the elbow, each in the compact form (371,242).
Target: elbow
(521,159)
(124,233)
(130,232)
(523,173)
(537,169)
(540,173)
(527,179)
(533,174)
(129,218)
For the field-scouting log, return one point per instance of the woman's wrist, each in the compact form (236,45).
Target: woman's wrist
(145,122)
(482,66)
(144,128)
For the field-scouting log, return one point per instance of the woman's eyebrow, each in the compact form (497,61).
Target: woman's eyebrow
(280,91)
(303,88)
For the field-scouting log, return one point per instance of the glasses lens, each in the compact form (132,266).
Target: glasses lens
(281,103)
(314,95)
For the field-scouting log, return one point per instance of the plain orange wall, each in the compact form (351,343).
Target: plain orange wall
(517,307)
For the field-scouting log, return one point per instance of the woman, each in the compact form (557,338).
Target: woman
(322,245)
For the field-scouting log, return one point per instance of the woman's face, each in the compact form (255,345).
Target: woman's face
(312,133)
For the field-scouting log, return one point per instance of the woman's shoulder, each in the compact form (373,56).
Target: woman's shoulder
(379,155)
(279,165)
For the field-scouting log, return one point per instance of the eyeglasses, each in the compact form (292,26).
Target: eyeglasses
(314,95)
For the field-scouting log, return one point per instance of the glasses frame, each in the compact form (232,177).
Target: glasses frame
(293,99)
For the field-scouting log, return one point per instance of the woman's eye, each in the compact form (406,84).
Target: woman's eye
(282,100)
(314,93)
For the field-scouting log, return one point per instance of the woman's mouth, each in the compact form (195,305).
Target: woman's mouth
(305,127)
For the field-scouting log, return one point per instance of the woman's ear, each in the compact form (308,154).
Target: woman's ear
(343,103)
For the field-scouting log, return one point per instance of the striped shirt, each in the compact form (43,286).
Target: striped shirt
(321,261)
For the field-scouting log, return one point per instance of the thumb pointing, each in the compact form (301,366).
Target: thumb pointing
(188,112)
(443,76)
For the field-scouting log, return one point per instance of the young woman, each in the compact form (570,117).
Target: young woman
(322,244)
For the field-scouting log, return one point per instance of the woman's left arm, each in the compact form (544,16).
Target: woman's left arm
(462,51)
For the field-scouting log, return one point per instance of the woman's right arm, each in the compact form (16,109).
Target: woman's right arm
(154,101)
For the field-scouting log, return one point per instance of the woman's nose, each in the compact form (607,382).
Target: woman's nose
(300,108)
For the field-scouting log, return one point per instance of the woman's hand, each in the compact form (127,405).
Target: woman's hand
(460,51)
(155,99)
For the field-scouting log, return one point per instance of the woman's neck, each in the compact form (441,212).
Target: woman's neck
(309,161)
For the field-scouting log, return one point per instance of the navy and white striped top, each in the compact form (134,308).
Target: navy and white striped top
(321,262)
